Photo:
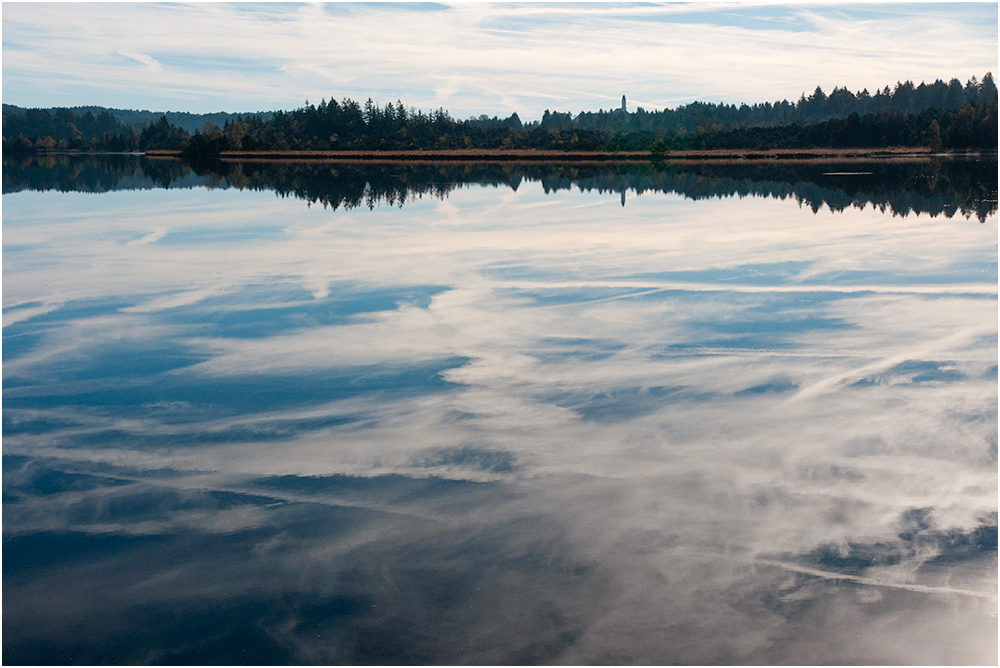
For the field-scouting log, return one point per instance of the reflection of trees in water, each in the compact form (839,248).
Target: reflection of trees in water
(351,185)
(94,173)
(940,187)
(966,187)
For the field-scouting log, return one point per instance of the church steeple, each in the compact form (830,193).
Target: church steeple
(623,104)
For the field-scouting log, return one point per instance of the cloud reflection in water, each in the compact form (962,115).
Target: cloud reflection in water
(508,426)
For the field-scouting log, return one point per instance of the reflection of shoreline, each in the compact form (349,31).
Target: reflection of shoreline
(964,185)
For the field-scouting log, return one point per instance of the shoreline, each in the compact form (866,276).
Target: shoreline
(533,155)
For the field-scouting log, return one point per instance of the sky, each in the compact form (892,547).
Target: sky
(478,58)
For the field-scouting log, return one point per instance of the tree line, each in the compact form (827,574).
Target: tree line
(939,115)
(704,117)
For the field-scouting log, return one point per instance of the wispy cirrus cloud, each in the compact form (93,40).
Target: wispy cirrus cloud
(478,58)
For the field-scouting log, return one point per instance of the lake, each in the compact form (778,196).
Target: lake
(406,413)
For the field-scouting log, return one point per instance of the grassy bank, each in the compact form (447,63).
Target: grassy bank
(521,155)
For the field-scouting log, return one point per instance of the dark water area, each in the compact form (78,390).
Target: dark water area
(339,413)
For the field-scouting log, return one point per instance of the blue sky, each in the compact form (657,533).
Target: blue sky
(473,58)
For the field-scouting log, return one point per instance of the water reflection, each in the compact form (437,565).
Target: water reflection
(509,425)
(937,186)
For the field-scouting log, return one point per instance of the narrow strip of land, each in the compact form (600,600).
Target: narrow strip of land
(519,155)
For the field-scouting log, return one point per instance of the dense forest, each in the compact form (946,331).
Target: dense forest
(938,115)
(142,118)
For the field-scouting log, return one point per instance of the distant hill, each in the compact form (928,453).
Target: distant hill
(141,119)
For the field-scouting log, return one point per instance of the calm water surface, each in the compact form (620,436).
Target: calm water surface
(499,414)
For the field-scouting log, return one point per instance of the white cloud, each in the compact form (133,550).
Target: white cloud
(148,61)
(479,58)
